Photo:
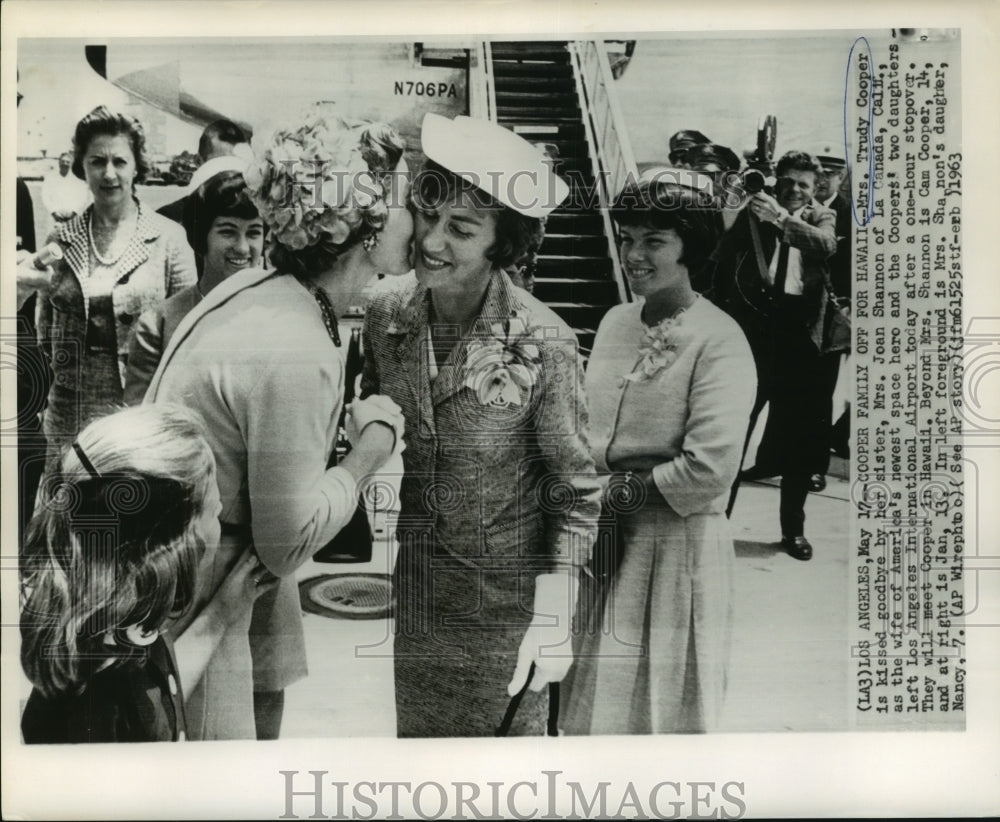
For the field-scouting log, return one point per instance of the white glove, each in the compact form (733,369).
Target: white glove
(376,408)
(547,642)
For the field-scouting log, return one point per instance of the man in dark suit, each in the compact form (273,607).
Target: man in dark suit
(830,193)
(218,148)
(772,277)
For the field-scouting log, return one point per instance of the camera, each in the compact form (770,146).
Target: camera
(759,174)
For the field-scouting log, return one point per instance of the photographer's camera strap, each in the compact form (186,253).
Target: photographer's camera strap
(758,248)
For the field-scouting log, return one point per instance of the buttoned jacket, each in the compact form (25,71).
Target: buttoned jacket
(488,481)
(156,263)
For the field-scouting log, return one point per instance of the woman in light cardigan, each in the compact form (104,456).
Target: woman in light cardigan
(669,384)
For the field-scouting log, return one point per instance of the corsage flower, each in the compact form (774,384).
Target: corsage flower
(499,367)
(657,351)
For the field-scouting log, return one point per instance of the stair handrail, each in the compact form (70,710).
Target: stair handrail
(610,147)
(482,88)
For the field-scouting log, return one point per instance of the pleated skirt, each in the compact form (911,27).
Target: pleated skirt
(656,662)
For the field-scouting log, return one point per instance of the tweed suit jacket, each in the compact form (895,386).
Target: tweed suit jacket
(740,290)
(488,482)
(157,263)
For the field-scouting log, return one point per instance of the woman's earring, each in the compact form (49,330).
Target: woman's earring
(370,242)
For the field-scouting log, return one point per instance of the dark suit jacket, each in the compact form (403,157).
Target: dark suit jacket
(740,290)
(841,263)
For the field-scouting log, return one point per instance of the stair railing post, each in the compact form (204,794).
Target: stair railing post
(611,154)
(482,87)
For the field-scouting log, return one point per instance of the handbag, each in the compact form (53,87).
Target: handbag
(552,724)
(353,542)
(605,558)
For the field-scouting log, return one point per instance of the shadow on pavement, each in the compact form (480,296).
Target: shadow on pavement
(746,548)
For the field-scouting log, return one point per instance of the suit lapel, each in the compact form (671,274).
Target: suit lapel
(74,239)
(409,327)
(137,250)
(74,236)
(498,305)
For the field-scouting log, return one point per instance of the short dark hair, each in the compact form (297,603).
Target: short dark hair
(798,161)
(224,131)
(518,237)
(103,122)
(664,206)
(221,195)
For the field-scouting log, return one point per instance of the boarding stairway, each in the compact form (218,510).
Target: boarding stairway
(555,94)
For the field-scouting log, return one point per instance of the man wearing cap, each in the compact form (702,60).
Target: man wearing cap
(679,144)
(499,498)
(772,277)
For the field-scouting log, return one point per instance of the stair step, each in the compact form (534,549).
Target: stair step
(572,290)
(565,222)
(540,98)
(584,197)
(535,52)
(565,148)
(562,114)
(534,131)
(574,245)
(529,45)
(530,82)
(508,68)
(558,265)
(524,83)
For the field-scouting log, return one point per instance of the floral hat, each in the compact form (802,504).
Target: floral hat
(312,184)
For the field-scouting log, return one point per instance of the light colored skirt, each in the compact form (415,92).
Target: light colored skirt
(658,661)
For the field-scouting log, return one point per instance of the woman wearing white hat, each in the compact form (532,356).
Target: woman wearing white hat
(499,498)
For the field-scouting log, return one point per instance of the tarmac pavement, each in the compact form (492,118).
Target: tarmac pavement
(789,665)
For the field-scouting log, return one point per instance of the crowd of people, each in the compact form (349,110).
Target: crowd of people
(198,385)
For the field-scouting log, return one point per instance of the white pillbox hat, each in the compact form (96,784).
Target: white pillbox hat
(496,160)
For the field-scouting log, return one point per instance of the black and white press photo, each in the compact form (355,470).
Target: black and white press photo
(586,420)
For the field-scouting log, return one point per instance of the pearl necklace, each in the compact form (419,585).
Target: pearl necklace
(93,245)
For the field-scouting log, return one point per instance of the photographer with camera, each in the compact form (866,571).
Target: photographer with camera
(772,277)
